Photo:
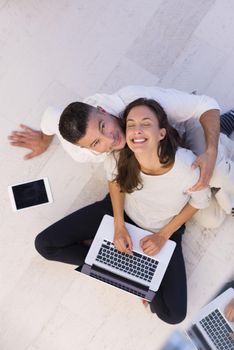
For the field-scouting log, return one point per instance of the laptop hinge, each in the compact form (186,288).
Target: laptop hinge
(119,278)
(198,338)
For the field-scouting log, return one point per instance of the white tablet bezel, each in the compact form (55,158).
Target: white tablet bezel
(47,188)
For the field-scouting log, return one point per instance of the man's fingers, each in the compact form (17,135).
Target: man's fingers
(197,187)
(30,155)
(29,132)
(18,144)
(26,128)
(14,136)
(20,136)
(203,182)
(195,165)
(200,185)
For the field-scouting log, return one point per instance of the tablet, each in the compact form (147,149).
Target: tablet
(30,194)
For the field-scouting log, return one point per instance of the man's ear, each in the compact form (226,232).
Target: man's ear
(100,109)
(162,133)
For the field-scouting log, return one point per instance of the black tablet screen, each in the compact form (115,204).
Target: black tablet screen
(29,194)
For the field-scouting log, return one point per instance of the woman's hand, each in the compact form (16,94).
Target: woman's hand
(122,240)
(152,244)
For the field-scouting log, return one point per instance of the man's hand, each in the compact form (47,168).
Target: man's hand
(34,140)
(122,240)
(152,244)
(206,163)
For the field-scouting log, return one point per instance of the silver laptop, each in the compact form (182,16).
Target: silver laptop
(210,330)
(138,273)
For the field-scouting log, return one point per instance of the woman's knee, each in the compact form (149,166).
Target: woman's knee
(177,318)
(42,246)
(170,316)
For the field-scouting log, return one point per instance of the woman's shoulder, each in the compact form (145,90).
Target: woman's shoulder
(184,157)
(184,160)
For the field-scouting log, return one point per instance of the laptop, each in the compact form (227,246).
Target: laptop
(210,330)
(138,273)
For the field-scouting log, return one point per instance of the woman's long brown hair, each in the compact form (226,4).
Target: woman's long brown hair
(128,177)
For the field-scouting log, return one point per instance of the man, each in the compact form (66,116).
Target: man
(197,116)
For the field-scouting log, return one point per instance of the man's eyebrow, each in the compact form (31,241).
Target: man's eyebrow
(99,128)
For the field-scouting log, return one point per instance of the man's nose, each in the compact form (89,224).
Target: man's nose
(108,135)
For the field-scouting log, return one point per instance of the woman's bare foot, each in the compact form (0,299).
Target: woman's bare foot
(145,302)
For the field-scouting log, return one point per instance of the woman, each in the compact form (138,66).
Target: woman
(150,180)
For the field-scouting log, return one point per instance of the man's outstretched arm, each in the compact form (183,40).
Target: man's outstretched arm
(210,122)
(35,140)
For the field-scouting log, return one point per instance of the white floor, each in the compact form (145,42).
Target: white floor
(54,52)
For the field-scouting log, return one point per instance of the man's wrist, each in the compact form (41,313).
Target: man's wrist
(212,153)
(47,139)
(212,150)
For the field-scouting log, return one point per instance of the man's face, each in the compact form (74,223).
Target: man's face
(103,133)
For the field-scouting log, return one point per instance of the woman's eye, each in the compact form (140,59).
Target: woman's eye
(130,125)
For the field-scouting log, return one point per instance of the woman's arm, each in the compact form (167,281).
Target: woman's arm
(122,239)
(152,244)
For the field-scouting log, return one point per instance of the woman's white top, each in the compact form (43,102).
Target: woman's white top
(163,196)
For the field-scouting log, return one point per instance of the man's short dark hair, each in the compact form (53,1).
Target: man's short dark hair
(73,121)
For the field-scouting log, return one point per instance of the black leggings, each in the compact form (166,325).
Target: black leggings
(63,241)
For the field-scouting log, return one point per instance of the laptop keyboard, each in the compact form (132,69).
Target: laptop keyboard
(218,330)
(137,265)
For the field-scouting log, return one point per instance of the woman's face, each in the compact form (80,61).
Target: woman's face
(142,130)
